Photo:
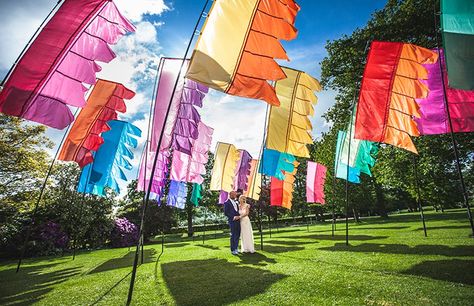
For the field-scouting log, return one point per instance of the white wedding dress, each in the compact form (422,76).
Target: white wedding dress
(246,233)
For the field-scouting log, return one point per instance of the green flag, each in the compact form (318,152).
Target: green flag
(196,195)
(457,24)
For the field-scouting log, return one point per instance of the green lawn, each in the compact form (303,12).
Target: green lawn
(387,263)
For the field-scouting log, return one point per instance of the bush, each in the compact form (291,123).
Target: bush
(49,239)
(124,233)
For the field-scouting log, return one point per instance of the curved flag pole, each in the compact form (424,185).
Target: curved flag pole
(451,131)
(28,44)
(418,196)
(146,146)
(147,198)
(40,196)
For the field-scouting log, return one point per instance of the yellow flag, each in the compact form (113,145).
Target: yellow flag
(224,169)
(289,127)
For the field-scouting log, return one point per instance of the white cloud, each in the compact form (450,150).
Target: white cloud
(146,33)
(135,9)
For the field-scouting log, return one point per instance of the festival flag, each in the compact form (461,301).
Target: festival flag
(191,168)
(361,157)
(239,41)
(289,127)
(111,159)
(241,175)
(50,74)
(434,118)
(105,100)
(196,195)
(188,118)
(315,178)
(276,164)
(167,74)
(225,165)
(281,191)
(390,85)
(255,181)
(457,24)
(177,194)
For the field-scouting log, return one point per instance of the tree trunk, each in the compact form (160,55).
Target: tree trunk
(190,219)
(380,200)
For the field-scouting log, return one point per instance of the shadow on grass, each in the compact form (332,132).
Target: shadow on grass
(214,281)
(124,261)
(207,246)
(280,248)
(336,237)
(256,259)
(460,250)
(176,245)
(364,227)
(454,270)
(428,228)
(31,283)
(290,242)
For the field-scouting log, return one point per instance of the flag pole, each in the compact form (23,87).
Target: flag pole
(40,196)
(204,229)
(451,131)
(333,227)
(28,44)
(418,196)
(347,167)
(147,198)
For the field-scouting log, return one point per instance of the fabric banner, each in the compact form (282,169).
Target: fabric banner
(191,168)
(50,74)
(289,127)
(178,191)
(390,85)
(281,191)
(434,118)
(110,161)
(361,157)
(167,74)
(105,100)
(236,50)
(315,178)
(457,24)
(241,175)
(196,195)
(225,167)
(255,181)
(275,163)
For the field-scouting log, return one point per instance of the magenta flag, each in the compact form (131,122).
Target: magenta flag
(50,74)
(315,177)
(241,175)
(190,168)
(168,71)
(434,118)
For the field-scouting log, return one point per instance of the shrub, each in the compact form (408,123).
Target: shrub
(124,233)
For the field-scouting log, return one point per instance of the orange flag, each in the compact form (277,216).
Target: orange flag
(102,105)
(236,50)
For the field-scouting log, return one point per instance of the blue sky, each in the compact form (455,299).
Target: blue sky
(163,29)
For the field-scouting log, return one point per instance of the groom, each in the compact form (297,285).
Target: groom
(231,210)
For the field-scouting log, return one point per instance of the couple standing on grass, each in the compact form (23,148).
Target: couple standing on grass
(237,213)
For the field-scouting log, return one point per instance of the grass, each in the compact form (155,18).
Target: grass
(387,263)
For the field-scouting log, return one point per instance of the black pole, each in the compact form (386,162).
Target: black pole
(204,233)
(333,227)
(347,169)
(451,132)
(40,196)
(145,204)
(418,195)
(260,224)
(29,43)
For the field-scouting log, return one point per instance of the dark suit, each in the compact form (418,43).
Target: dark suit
(234,225)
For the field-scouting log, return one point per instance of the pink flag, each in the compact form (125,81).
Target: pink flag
(434,118)
(190,168)
(51,73)
(315,177)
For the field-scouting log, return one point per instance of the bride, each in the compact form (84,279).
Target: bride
(246,233)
